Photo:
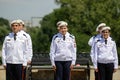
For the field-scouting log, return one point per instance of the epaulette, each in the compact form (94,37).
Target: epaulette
(24,35)
(55,37)
(98,40)
(71,36)
(112,39)
(94,36)
(8,34)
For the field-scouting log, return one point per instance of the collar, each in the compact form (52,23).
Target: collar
(67,34)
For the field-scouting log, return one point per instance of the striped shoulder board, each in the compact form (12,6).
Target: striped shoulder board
(25,35)
(72,36)
(55,37)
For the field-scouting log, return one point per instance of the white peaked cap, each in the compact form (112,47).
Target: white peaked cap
(14,21)
(20,21)
(62,23)
(100,25)
(106,28)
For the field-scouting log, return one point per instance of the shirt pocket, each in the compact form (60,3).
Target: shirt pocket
(21,44)
(69,44)
(9,44)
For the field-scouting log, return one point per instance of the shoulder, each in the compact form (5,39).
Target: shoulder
(55,36)
(98,42)
(94,36)
(8,37)
(9,34)
(72,36)
(25,34)
(111,39)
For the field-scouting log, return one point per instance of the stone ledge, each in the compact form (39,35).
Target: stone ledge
(115,75)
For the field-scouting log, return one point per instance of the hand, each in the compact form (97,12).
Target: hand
(71,66)
(29,62)
(54,67)
(96,70)
(4,66)
(115,70)
(24,67)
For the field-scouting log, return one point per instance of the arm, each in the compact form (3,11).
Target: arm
(90,42)
(30,51)
(94,56)
(52,52)
(74,49)
(4,53)
(115,56)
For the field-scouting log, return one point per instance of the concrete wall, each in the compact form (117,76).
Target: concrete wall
(2,73)
(116,75)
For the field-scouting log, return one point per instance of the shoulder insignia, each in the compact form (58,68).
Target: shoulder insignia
(55,37)
(94,36)
(112,39)
(98,40)
(8,34)
(25,35)
(71,36)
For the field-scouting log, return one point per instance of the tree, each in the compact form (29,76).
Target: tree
(83,16)
(4,29)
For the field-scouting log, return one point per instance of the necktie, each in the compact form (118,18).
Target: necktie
(15,36)
(64,37)
(105,41)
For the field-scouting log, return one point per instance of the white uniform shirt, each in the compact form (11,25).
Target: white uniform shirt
(63,50)
(14,51)
(29,45)
(105,53)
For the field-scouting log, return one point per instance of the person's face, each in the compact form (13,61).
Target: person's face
(15,27)
(105,34)
(63,30)
(21,27)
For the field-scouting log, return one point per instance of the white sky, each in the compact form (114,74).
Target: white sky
(25,9)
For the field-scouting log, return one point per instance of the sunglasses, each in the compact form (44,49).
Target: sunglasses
(15,25)
(105,32)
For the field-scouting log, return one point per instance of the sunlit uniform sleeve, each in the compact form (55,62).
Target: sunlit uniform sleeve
(92,52)
(73,50)
(115,56)
(30,51)
(4,52)
(95,55)
(52,50)
(90,42)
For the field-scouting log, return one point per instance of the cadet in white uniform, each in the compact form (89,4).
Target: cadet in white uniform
(95,39)
(29,41)
(105,59)
(29,46)
(63,52)
(14,53)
